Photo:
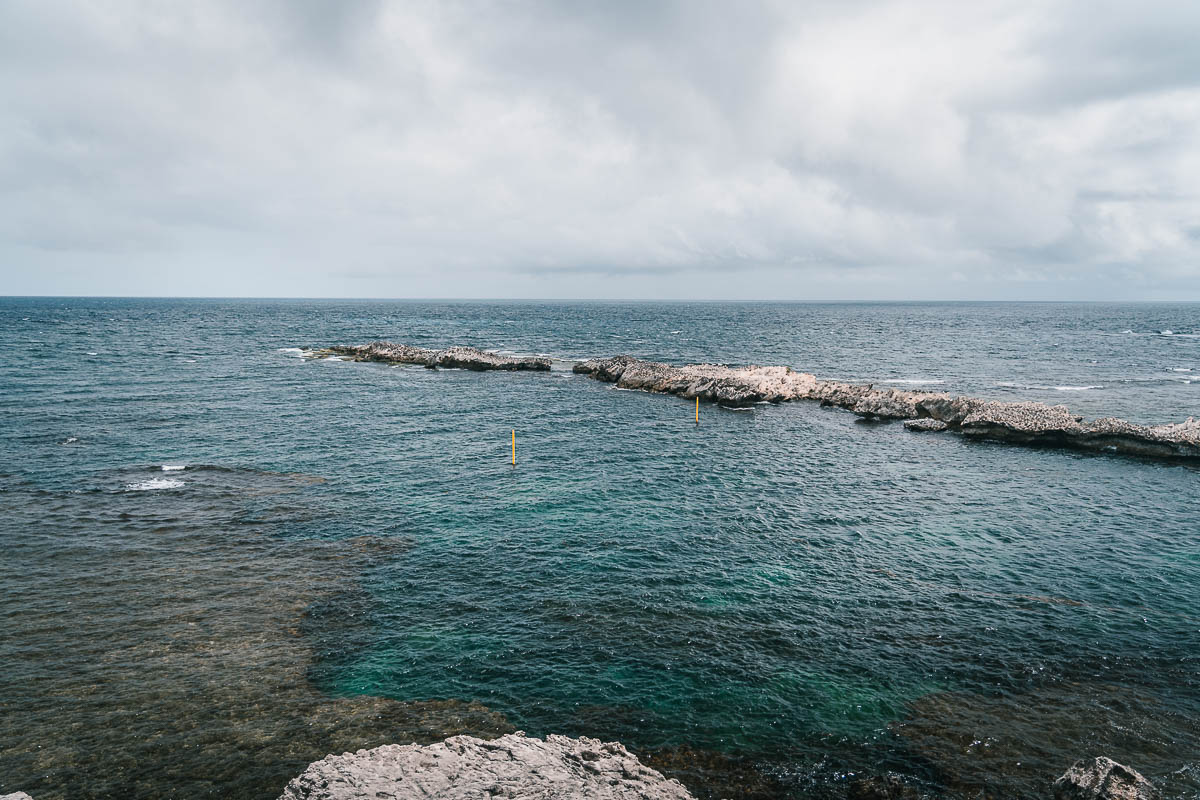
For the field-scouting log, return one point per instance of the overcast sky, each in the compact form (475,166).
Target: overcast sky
(820,150)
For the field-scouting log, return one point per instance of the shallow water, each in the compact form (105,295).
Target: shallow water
(771,603)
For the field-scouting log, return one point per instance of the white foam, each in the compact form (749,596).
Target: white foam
(92,354)
(173,467)
(1181,369)
(70,439)
(1036,387)
(915,381)
(1166,333)
(153,483)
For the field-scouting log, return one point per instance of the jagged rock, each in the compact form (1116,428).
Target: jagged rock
(842,395)
(453,357)
(925,425)
(891,404)
(1103,779)
(735,386)
(15,796)
(1014,420)
(466,768)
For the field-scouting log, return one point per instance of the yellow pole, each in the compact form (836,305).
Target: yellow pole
(514,443)
(697,408)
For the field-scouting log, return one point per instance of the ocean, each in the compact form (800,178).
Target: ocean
(222,560)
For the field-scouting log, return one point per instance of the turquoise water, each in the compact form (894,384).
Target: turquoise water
(773,602)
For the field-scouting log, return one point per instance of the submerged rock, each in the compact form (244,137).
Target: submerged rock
(882,787)
(453,357)
(1013,745)
(465,767)
(1103,779)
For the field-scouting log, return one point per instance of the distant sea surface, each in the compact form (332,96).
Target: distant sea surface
(220,561)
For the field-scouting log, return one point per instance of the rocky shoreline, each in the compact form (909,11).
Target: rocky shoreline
(520,766)
(1026,423)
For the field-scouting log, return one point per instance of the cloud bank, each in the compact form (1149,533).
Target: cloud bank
(827,150)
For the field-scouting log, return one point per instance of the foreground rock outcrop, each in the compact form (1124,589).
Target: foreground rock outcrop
(465,767)
(1020,422)
(1103,779)
(451,357)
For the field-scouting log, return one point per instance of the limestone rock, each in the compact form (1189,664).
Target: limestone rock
(15,796)
(1103,779)
(892,404)
(466,768)
(925,425)
(453,357)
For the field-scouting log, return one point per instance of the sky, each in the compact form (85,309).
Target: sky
(841,150)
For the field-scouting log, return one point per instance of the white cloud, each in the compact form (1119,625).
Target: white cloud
(886,149)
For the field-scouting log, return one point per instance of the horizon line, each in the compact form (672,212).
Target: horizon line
(572,299)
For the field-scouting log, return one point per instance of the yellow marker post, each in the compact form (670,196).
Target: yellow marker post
(514,443)
(697,408)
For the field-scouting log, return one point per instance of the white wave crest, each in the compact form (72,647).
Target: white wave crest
(153,483)
(173,467)
(1039,388)
(915,381)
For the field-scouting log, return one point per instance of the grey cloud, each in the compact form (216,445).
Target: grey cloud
(687,149)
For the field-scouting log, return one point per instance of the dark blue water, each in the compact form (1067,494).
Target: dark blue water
(774,602)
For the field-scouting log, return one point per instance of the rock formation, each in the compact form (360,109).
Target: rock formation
(1103,779)
(468,768)
(1021,422)
(452,357)
(15,796)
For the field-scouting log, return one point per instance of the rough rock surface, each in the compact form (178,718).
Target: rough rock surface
(466,768)
(452,357)
(15,796)
(925,425)
(1103,779)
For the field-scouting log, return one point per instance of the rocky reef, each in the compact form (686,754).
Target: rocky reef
(451,358)
(1026,423)
(465,767)
(1103,779)
(1020,422)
